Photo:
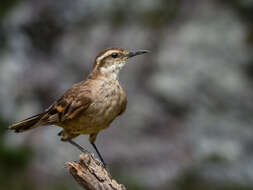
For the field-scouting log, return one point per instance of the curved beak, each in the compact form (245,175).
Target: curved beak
(138,52)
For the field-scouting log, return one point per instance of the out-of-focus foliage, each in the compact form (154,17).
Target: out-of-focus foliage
(5,7)
(189,120)
(15,172)
(195,178)
(13,164)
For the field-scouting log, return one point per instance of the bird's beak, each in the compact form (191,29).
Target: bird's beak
(138,52)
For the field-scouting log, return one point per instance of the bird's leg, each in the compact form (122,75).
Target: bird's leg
(99,155)
(92,141)
(67,137)
(77,146)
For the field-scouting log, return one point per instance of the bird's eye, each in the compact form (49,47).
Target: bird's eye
(114,55)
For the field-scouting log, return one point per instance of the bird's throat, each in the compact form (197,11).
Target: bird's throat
(112,71)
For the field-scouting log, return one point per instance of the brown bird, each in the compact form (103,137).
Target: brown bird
(88,106)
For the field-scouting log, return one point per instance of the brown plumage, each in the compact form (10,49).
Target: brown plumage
(88,106)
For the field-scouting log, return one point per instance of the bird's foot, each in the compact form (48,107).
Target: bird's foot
(100,162)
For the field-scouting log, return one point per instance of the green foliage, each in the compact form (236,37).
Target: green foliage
(14,172)
(14,160)
(157,17)
(193,178)
(162,15)
(6,5)
(128,181)
(14,168)
(13,163)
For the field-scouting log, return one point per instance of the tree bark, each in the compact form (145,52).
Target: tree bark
(91,175)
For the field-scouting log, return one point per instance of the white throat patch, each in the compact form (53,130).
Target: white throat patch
(112,71)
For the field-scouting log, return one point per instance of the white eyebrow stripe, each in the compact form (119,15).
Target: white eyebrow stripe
(109,52)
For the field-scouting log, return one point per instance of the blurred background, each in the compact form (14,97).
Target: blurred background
(188,125)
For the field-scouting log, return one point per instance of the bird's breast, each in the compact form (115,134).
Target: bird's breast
(109,102)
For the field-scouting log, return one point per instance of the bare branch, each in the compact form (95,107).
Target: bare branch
(91,175)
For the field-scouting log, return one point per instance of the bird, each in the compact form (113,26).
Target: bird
(90,105)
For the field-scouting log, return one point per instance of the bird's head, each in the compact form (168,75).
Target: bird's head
(111,61)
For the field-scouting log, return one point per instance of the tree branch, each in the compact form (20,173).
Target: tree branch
(91,175)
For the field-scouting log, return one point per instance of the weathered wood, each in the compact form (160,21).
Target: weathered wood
(91,175)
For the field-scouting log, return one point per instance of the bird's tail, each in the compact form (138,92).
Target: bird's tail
(27,124)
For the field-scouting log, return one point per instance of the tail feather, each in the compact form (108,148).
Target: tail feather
(27,124)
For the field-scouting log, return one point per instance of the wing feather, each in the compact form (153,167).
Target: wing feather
(74,101)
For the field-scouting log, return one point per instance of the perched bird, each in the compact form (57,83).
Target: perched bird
(88,106)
